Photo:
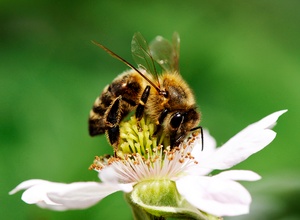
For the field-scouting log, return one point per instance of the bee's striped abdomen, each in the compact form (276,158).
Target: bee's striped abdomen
(128,87)
(97,124)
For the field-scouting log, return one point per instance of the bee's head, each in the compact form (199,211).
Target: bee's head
(181,123)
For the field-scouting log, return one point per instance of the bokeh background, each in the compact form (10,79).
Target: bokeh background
(242,59)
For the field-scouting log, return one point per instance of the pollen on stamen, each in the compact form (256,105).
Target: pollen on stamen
(170,157)
(100,162)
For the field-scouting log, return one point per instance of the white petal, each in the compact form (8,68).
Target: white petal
(36,191)
(209,146)
(54,206)
(27,184)
(82,195)
(200,155)
(109,175)
(270,120)
(61,196)
(126,187)
(247,142)
(246,175)
(216,196)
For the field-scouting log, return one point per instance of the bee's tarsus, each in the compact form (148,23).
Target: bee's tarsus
(113,136)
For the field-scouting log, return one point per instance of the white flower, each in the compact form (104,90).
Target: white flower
(188,167)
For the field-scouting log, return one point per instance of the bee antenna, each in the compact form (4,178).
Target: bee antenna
(125,62)
(202,138)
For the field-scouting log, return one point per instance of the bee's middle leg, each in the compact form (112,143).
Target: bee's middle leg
(141,106)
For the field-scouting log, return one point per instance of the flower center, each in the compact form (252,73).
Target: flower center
(137,137)
(141,155)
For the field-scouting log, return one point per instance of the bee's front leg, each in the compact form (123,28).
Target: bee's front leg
(112,119)
(161,119)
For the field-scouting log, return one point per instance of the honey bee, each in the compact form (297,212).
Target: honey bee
(165,98)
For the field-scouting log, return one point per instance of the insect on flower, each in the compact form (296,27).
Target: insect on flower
(165,98)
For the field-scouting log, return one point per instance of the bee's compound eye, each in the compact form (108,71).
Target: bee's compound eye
(176,120)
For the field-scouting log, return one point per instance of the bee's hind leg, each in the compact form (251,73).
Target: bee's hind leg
(112,119)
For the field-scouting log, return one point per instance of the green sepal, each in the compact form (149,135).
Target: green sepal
(159,199)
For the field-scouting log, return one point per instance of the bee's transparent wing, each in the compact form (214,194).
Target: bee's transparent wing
(166,53)
(142,55)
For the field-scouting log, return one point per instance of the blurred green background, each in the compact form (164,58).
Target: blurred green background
(241,59)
